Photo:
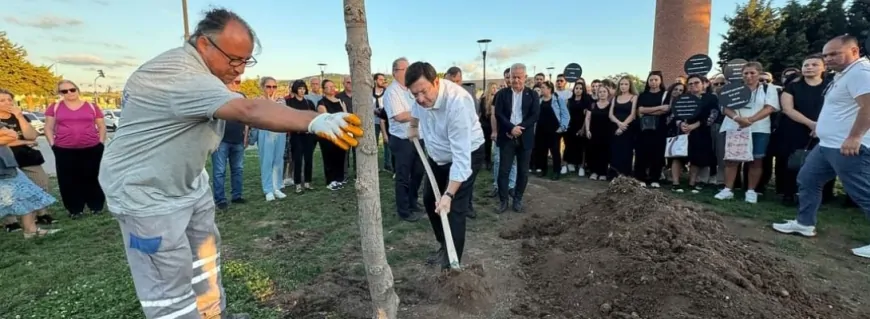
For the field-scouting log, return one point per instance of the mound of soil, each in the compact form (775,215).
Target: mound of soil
(635,253)
(468,289)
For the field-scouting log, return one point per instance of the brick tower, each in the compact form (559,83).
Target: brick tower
(682,29)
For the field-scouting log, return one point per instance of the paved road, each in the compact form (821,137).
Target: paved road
(49,155)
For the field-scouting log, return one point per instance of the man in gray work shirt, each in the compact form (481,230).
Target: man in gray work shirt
(153,171)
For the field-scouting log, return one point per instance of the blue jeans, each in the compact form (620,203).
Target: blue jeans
(235,155)
(270,146)
(512,178)
(822,165)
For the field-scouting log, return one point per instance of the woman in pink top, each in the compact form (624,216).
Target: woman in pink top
(76,132)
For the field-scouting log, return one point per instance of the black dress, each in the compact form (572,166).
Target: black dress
(601,128)
(701,153)
(547,141)
(575,145)
(651,142)
(622,146)
(793,136)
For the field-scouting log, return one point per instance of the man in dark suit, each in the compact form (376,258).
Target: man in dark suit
(516,112)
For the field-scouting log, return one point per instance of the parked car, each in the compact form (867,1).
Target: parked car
(112,118)
(39,115)
(37,124)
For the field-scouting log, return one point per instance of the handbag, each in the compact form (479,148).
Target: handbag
(738,146)
(651,122)
(798,157)
(28,156)
(677,146)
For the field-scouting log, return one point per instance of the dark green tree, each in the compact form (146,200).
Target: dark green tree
(752,33)
(791,38)
(19,75)
(815,20)
(859,20)
(636,81)
(836,21)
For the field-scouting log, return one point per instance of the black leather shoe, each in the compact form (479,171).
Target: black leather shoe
(414,217)
(518,205)
(502,207)
(471,213)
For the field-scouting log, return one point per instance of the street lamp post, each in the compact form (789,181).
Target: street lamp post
(322,68)
(184,14)
(483,44)
(550,71)
(100,74)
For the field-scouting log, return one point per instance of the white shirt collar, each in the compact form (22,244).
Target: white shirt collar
(440,100)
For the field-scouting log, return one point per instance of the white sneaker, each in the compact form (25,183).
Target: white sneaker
(724,194)
(564,170)
(270,197)
(593,176)
(642,184)
(288,182)
(654,185)
(581,172)
(792,227)
(751,197)
(862,251)
(279,194)
(602,178)
(571,168)
(538,170)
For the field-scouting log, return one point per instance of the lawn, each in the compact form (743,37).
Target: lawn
(81,272)
(271,248)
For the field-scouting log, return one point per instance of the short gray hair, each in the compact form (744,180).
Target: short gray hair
(396,62)
(215,21)
(453,71)
(70,82)
(518,66)
(265,79)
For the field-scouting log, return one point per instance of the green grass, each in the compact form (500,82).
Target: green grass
(82,272)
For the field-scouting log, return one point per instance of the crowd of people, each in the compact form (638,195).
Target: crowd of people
(153,172)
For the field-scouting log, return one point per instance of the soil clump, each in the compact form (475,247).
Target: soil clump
(630,252)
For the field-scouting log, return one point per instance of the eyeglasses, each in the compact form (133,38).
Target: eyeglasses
(234,62)
(718,83)
(271,86)
(72,90)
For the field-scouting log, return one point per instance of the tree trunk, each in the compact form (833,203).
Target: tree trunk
(385,302)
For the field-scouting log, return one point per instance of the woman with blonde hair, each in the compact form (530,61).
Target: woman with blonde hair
(270,146)
(623,112)
(27,155)
(75,130)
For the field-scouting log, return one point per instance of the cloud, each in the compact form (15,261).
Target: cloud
(496,58)
(93,61)
(67,39)
(501,54)
(45,22)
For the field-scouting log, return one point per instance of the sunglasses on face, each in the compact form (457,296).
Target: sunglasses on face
(718,83)
(271,86)
(65,91)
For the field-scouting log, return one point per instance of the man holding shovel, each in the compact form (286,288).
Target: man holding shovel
(446,114)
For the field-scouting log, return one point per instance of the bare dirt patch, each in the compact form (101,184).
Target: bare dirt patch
(636,253)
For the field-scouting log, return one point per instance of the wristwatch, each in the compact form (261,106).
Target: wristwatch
(448,194)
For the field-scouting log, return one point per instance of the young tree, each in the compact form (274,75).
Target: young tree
(385,302)
(752,33)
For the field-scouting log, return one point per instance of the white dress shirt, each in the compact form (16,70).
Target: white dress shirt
(452,129)
(398,99)
(516,107)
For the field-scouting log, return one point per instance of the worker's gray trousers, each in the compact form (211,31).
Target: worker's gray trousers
(175,262)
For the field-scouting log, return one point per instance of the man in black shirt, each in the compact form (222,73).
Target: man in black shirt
(346,96)
(230,151)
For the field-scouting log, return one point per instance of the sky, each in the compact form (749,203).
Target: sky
(82,36)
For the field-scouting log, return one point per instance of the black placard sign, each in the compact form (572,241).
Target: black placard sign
(699,64)
(734,70)
(686,107)
(734,96)
(573,72)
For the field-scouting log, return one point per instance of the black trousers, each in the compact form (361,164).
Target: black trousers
(622,153)
(303,152)
(77,172)
(409,174)
(460,206)
(547,143)
(650,153)
(333,161)
(487,145)
(508,152)
(598,153)
(575,147)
